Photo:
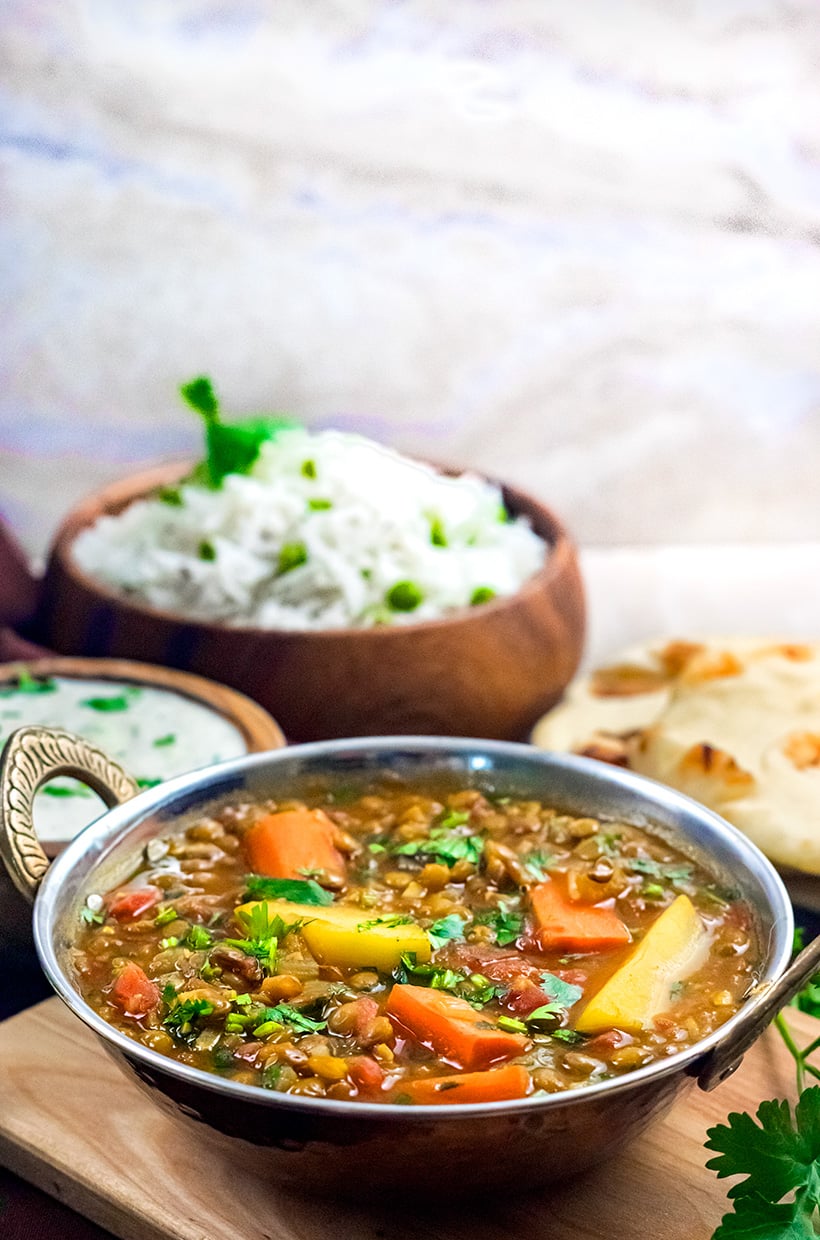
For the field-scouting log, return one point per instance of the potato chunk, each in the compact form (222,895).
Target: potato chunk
(352,937)
(674,946)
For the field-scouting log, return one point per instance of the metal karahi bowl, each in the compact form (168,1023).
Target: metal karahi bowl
(357,1148)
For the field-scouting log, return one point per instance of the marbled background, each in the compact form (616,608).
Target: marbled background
(577,245)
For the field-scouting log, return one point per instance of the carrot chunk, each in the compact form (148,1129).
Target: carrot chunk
(451,1027)
(497,1085)
(292,843)
(133,992)
(562,925)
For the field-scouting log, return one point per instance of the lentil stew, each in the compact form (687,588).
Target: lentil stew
(415,946)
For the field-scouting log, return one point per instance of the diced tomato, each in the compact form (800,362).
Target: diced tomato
(525,998)
(608,1041)
(128,905)
(492,962)
(365,1073)
(133,991)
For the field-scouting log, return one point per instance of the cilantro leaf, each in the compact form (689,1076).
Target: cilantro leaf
(263,934)
(117,702)
(446,929)
(565,994)
(24,682)
(186,1013)
(388,922)
(298,891)
(506,925)
(474,987)
(674,874)
(778,1156)
(284,1014)
(199,939)
(231,448)
(447,842)
(757,1219)
(538,864)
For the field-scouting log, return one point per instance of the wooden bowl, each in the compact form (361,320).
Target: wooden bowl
(487,671)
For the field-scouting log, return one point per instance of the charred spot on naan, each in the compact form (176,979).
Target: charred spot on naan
(715,773)
(676,656)
(626,680)
(710,665)
(803,749)
(796,652)
(605,747)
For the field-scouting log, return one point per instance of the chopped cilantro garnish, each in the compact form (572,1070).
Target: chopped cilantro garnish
(446,929)
(148,783)
(475,988)
(565,994)
(63,790)
(296,890)
(404,596)
(117,702)
(570,1036)
(92,917)
(270,1075)
(538,864)
(172,496)
(263,934)
(24,682)
(674,874)
(291,555)
(511,1025)
(206,550)
(308,469)
(284,1014)
(506,925)
(163,741)
(453,818)
(186,1013)
(387,923)
(198,939)
(231,448)
(446,842)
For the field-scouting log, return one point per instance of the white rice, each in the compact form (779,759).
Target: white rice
(376,532)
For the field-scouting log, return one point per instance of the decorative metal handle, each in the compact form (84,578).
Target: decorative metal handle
(32,756)
(763,1006)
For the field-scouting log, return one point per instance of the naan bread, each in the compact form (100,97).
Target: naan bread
(733,723)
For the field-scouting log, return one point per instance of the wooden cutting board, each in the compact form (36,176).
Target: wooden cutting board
(74,1125)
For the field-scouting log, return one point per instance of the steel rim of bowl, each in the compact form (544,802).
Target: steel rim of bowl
(649,791)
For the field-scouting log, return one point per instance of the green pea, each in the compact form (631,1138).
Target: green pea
(481,594)
(404,596)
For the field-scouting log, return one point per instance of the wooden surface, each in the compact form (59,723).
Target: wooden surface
(72,1123)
